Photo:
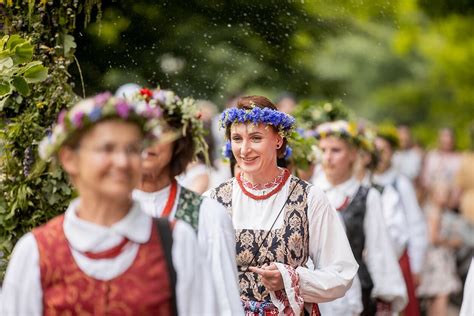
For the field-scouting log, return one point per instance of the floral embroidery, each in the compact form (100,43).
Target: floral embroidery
(188,207)
(288,245)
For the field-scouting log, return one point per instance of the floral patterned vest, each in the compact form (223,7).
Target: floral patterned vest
(189,203)
(288,244)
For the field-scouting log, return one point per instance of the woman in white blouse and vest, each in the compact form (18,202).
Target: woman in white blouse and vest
(105,256)
(382,288)
(281,222)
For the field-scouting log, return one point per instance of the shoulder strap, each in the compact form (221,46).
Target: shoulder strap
(166,236)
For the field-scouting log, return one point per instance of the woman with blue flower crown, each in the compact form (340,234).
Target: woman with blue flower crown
(105,256)
(280,221)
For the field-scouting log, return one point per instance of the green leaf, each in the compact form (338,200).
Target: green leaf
(21,85)
(3,41)
(36,73)
(14,41)
(23,53)
(69,44)
(2,102)
(4,88)
(6,62)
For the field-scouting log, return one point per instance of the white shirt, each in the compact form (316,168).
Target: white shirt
(417,231)
(394,215)
(408,162)
(22,292)
(379,254)
(467,307)
(329,249)
(216,238)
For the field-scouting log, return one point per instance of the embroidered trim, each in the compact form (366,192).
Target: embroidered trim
(286,175)
(278,179)
(289,300)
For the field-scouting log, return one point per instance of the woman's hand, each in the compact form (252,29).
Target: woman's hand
(270,276)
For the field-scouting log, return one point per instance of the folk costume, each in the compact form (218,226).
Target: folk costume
(380,276)
(135,266)
(208,218)
(413,256)
(52,270)
(215,235)
(382,287)
(287,222)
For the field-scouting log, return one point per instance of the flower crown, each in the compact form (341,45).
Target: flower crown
(182,114)
(390,134)
(366,134)
(342,129)
(88,112)
(282,122)
(309,113)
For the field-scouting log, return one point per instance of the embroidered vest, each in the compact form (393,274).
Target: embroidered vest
(354,215)
(288,244)
(189,204)
(143,289)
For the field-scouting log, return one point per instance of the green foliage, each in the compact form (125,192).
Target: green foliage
(303,148)
(309,114)
(17,70)
(409,61)
(36,49)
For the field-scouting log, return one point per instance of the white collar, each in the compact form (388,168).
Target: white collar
(388,177)
(155,196)
(87,236)
(347,188)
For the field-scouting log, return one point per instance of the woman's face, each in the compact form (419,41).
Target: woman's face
(157,159)
(107,161)
(255,147)
(338,158)
(385,154)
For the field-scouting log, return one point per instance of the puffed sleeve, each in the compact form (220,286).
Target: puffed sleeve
(195,294)
(382,262)
(21,292)
(217,240)
(418,238)
(330,251)
(395,219)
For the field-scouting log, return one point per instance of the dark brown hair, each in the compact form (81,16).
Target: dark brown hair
(183,147)
(250,101)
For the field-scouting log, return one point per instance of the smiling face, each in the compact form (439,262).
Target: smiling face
(255,148)
(338,159)
(157,159)
(107,160)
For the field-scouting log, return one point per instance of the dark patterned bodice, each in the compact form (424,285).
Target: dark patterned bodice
(288,244)
(189,204)
(354,215)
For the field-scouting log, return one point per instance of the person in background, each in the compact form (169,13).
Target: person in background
(438,277)
(104,256)
(407,159)
(382,288)
(411,262)
(394,215)
(286,103)
(280,221)
(160,195)
(441,166)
